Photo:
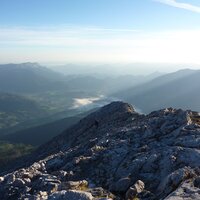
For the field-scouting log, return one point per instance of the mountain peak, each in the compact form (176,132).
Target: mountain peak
(22,65)
(112,111)
(30,65)
(118,106)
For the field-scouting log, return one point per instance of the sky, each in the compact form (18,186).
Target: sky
(100,31)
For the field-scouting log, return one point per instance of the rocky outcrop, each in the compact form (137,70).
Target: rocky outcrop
(115,153)
(135,190)
(71,194)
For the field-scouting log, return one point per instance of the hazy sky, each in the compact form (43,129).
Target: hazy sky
(62,31)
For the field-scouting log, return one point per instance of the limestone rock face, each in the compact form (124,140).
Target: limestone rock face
(1,179)
(71,195)
(134,190)
(114,153)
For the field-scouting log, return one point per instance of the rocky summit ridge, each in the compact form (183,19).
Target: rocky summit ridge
(114,153)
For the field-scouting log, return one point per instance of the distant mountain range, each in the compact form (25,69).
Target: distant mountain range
(28,78)
(179,89)
(33,78)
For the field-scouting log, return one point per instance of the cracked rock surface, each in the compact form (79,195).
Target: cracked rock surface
(114,153)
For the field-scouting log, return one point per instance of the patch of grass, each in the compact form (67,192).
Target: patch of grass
(10,152)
